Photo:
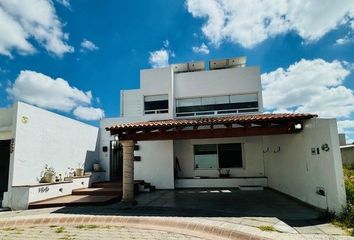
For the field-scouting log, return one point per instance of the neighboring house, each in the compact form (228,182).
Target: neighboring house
(31,138)
(347,152)
(186,122)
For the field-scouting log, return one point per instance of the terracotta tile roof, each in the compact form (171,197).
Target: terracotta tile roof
(249,118)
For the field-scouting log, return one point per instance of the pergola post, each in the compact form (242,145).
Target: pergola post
(128,172)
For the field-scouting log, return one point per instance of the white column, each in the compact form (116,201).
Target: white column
(128,172)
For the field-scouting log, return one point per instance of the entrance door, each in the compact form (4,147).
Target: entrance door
(116,166)
(4,165)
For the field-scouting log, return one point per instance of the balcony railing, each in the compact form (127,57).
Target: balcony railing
(217,112)
(157,111)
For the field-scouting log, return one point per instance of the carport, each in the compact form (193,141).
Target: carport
(198,128)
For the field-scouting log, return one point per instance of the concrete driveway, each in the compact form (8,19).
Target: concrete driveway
(262,214)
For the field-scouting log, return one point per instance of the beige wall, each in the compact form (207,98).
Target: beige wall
(347,153)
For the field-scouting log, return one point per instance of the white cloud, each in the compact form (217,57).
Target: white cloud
(65,3)
(88,113)
(160,58)
(166,43)
(88,45)
(202,49)
(310,86)
(251,22)
(345,126)
(346,39)
(43,91)
(24,21)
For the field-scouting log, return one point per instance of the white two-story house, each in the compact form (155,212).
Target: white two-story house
(197,125)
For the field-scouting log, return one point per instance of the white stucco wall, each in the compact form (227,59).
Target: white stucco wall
(252,157)
(219,82)
(132,103)
(296,172)
(49,138)
(156,165)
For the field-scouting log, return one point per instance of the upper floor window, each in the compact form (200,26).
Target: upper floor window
(227,104)
(156,104)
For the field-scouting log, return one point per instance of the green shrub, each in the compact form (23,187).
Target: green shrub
(349,188)
(346,218)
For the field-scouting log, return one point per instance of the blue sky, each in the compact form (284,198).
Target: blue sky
(74,57)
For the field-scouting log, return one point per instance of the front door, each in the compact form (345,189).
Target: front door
(116,166)
(4,165)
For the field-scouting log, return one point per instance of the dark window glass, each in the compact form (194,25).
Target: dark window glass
(156,105)
(216,107)
(205,149)
(230,155)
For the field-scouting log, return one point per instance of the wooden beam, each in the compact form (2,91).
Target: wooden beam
(207,133)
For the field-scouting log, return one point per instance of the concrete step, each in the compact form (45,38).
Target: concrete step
(107,185)
(98,191)
(75,200)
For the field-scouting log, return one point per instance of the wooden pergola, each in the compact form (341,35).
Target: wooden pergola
(197,128)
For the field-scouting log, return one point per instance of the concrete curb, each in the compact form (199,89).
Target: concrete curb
(202,230)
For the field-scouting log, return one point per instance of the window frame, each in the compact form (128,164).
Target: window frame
(156,111)
(232,107)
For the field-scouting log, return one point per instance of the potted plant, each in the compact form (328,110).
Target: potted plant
(224,173)
(80,170)
(47,175)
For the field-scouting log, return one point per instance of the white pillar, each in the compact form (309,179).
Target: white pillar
(128,172)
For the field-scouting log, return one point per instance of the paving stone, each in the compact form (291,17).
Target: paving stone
(283,227)
(331,229)
(309,230)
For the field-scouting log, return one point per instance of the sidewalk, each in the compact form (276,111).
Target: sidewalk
(32,224)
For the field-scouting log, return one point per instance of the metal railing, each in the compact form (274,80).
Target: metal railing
(157,111)
(217,112)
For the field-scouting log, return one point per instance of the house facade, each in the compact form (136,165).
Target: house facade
(196,127)
(191,125)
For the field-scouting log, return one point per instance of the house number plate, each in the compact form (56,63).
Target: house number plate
(43,189)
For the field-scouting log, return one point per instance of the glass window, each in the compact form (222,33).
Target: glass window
(217,105)
(230,155)
(156,98)
(215,100)
(206,156)
(244,98)
(214,156)
(186,102)
(156,104)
